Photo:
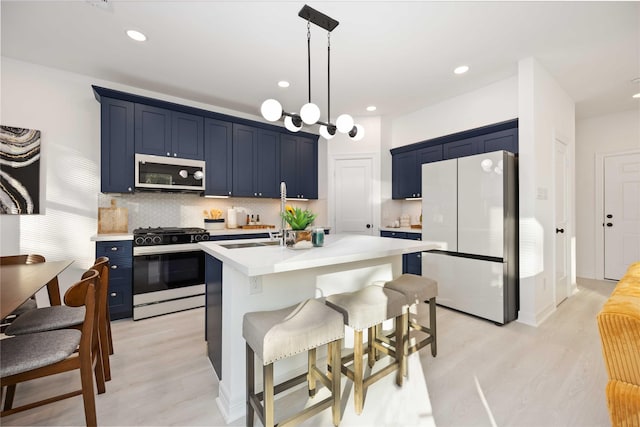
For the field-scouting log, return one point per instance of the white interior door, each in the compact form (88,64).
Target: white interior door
(621,216)
(561,222)
(353,198)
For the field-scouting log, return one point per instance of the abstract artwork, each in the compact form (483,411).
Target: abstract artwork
(19,171)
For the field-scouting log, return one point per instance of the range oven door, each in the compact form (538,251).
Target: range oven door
(167,279)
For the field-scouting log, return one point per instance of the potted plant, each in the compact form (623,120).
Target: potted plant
(298,237)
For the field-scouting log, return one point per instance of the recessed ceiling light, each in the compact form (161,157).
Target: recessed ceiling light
(283,83)
(637,95)
(461,69)
(136,35)
(371,108)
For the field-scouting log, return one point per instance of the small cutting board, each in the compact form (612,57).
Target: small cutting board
(113,220)
(257,226)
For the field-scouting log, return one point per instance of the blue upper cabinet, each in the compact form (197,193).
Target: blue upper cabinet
(299,166)
(116,146)
(255,162)
(163,132)
(406,169)
(218,146)
(407,161)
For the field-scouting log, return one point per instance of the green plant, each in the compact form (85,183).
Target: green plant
(297,218)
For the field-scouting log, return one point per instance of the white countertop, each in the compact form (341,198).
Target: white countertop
(110,237)
(337,249)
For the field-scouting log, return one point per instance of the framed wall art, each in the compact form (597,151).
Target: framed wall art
(19,171)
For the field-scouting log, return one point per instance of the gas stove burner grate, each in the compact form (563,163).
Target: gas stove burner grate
(151,236)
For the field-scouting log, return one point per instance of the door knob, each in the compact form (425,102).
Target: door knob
(609,224)
(368,225)
(609,216)
(559,230)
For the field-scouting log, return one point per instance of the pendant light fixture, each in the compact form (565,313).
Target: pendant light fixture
(309,115)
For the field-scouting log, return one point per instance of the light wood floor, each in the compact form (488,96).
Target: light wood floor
(484,375)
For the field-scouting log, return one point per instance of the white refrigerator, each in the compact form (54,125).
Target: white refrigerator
(469,209)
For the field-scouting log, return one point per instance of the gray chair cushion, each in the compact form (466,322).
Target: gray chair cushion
(27,352)
(278,334)
(46,319)
(415,288)
(28,305)
(367,307)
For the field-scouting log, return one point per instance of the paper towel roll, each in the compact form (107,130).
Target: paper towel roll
(232,220)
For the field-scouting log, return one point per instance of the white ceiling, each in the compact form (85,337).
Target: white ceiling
(397,55)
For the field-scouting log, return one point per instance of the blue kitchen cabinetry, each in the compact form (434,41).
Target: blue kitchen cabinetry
(116,146)
(407,161)
(120,254)
(406,170)
(218,148)
(164,132)
(299,166)
(411,263)
(256,162)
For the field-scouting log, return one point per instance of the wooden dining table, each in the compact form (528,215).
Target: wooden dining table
(19,282)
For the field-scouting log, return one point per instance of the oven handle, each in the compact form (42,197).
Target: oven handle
(165,249)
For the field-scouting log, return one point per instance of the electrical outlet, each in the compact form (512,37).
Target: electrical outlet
(255,285)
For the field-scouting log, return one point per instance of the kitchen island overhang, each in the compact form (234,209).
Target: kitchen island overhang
(272,277)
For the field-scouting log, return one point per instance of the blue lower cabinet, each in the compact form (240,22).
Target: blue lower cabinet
(120,254)
(213,312)
(411,263)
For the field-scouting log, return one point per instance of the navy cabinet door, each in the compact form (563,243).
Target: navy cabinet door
(462,148)
(403,170)
(187,140)
(120,254)
(218,146)
(307,168)
(267,179)
(503,140)
(288,164)
(153,130)
(244,158)
(213,312)
(116,146)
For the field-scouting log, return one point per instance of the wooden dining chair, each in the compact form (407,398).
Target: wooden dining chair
(42,354)
(67,316)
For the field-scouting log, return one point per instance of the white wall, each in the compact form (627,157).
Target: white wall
(485,106)
(545,113)
(605,134)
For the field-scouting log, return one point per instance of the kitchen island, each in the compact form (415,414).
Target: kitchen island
(242,278)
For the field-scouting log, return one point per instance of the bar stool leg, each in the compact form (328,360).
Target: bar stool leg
(432,326)
(358,385)
(401,344)
(334,352)
(269,416)
(371,349)
(311,378)
(250,384)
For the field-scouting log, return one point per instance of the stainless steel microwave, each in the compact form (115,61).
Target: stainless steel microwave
(169,173)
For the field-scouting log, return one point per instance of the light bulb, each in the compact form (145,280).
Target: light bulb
(271,110)
(290,125)
(310,113)
(358,133)
(325,132)
(344,123)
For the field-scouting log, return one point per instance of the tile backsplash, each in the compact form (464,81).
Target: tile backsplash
(186,210)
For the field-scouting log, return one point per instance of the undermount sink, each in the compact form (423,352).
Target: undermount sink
(249,244)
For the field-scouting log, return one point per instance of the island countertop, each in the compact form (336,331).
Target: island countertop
(337,249)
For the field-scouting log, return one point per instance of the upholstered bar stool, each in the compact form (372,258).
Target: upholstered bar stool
(417,290)
(278,334)
(364,310)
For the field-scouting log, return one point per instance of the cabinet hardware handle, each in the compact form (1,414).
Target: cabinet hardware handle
(559,230)
(130,189)
(609,224)
(113,267)
(168,154)
(609,216)
(255,194)
(114,248)
(419,256)
(175,154)
(113,294)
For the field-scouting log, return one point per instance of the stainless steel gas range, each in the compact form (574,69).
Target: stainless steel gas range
(168,270)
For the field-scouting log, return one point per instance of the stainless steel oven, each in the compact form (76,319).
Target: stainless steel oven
(168,271)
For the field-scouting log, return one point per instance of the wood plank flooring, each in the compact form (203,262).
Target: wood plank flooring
(484,375)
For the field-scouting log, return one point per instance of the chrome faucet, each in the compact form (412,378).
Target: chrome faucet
(281,235)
